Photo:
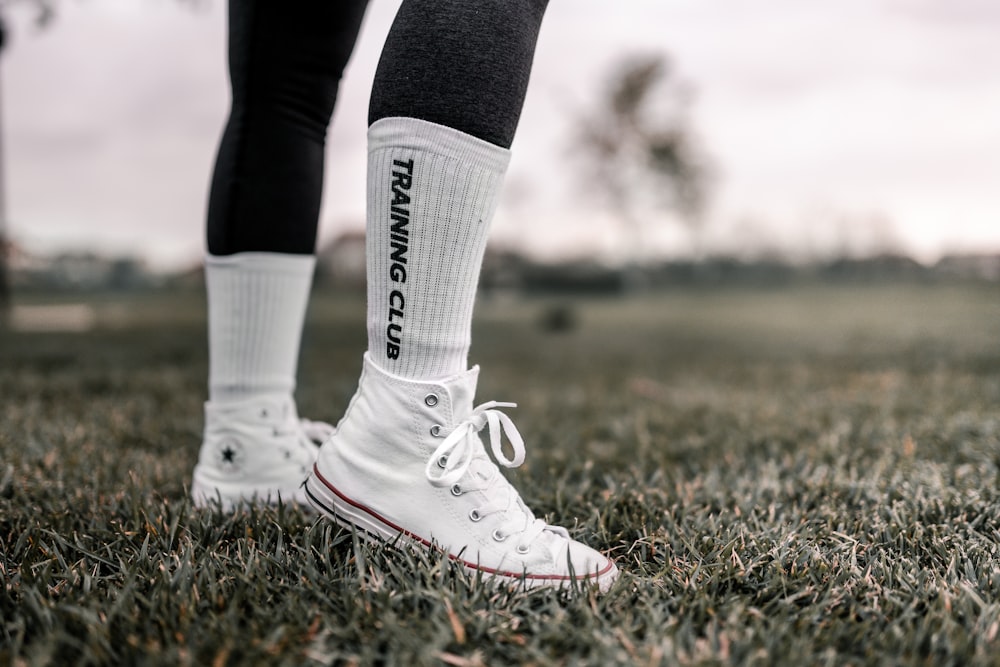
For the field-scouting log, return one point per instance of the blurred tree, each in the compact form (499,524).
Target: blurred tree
(44,11)
(4,243)
(641,155)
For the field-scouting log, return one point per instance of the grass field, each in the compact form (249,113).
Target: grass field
(799,476)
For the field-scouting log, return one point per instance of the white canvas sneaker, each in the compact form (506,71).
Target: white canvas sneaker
(255,451)
(407,461)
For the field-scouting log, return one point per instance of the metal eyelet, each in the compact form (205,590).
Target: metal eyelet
(456,490)
(523,549)
(436,430)
(430,400)
(498,536)
(474,515)
(443,461)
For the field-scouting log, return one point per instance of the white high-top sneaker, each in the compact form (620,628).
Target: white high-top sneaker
(406,460)
(255,451)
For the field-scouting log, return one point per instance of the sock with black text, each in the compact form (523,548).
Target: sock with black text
(432,192)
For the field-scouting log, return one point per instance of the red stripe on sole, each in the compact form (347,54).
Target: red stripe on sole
(500,573)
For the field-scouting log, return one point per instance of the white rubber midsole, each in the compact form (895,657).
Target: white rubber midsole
(207,493)
(344,513)
(352,515)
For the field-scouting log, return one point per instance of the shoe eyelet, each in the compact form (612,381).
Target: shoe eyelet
(475,516)
(436,430)
(456,490)
(430,400)
(443,461)
(523,549)
(498,536)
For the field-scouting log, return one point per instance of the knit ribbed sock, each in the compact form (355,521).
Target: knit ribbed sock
(256,308)
(432,191)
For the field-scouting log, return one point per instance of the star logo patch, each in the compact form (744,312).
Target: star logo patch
(230,455)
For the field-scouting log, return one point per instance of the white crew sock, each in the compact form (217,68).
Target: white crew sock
(256,308)
(432,191)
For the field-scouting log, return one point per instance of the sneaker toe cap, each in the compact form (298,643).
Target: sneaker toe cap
(590,566)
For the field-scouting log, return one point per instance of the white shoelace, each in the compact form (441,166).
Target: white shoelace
(311,434)
(258,421)
(461,448)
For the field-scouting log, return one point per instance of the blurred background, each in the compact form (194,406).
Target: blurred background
(662,142)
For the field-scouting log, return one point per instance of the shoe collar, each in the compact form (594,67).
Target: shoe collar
(458,391)
(274,408)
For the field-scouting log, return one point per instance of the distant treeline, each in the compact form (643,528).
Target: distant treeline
(727,271)
(513,272)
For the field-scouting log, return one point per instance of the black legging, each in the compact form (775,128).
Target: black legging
(459,63)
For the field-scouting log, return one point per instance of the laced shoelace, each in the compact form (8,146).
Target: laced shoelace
(462,448)
(317,432)
(310,433)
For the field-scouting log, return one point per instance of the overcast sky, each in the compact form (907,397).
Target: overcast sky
(831,124)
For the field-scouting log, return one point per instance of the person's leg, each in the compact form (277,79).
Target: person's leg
(285,65)
(407,458)
(445,102)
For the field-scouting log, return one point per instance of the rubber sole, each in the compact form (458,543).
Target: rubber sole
(350,514)
(230,496)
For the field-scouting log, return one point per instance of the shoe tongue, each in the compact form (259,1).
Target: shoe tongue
(482,467)
(268,409)
(556,545)
(504,494)
(462,390)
